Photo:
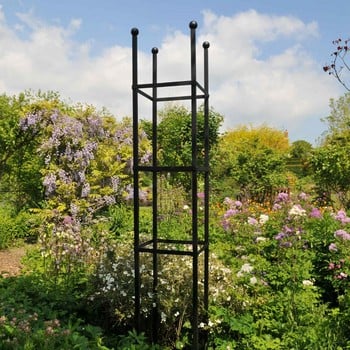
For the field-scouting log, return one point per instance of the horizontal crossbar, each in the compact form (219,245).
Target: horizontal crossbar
(170,168)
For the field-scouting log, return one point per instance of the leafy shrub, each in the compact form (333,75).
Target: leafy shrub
(35,316)
(291,264)
(113,290)
(14,227)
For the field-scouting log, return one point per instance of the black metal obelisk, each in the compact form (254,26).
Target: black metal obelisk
(195,246)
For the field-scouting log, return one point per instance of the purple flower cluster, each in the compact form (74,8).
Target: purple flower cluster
(342,234)
(234,207)
(282,197)
(30,121)
(342,217)
(316,213)
(287,235)
(336,267)
(280,200)
(49,183)
(130,194)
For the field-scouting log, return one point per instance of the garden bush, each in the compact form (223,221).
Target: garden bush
(16,227)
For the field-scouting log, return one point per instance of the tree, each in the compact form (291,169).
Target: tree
(175,137)
(338,121)
(331,172)
(330,163)
(300,153)
(86,168)
(250,162)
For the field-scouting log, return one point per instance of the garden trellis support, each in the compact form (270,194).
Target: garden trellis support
(195,247)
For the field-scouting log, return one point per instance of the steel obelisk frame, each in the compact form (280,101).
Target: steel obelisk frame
(156,246)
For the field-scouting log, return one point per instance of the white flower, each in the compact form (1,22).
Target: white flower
(297,210)
(261,239)
(253,280)
(246,268)
(263,218)
(307,283)
(186,207)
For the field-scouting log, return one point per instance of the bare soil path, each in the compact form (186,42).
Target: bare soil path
(10,261)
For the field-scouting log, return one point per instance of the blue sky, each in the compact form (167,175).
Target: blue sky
(266,56)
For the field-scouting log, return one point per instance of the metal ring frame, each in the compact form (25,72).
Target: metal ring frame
(194,246)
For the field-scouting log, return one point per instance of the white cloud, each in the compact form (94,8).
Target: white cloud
(248,84)
(284,89)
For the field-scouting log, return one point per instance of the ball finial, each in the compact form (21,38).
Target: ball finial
(155,50)
(134,31)
(193,24)
(206,45)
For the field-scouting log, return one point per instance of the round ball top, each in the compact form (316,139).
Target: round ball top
(134,31)
(155,50)
(206,44)
(193,24)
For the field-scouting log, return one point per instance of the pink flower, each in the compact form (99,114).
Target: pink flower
(68,220)
(342,217)
(342,234)
(252,221)
(315,213)
(332,247)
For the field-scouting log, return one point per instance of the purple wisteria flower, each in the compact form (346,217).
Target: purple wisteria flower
(109,200)
(31,120)
(342,234)
(115,181)
(146,158)
(49,183)
(85,191)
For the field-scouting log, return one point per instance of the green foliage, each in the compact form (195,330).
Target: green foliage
(279,274)
(35,316)
(175,137)
(252,162)
(299,159)
(134,341)
(330,163)
(338,121)
(87,167)
(291,275)
(331,169)
(112,288)
(16,227)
